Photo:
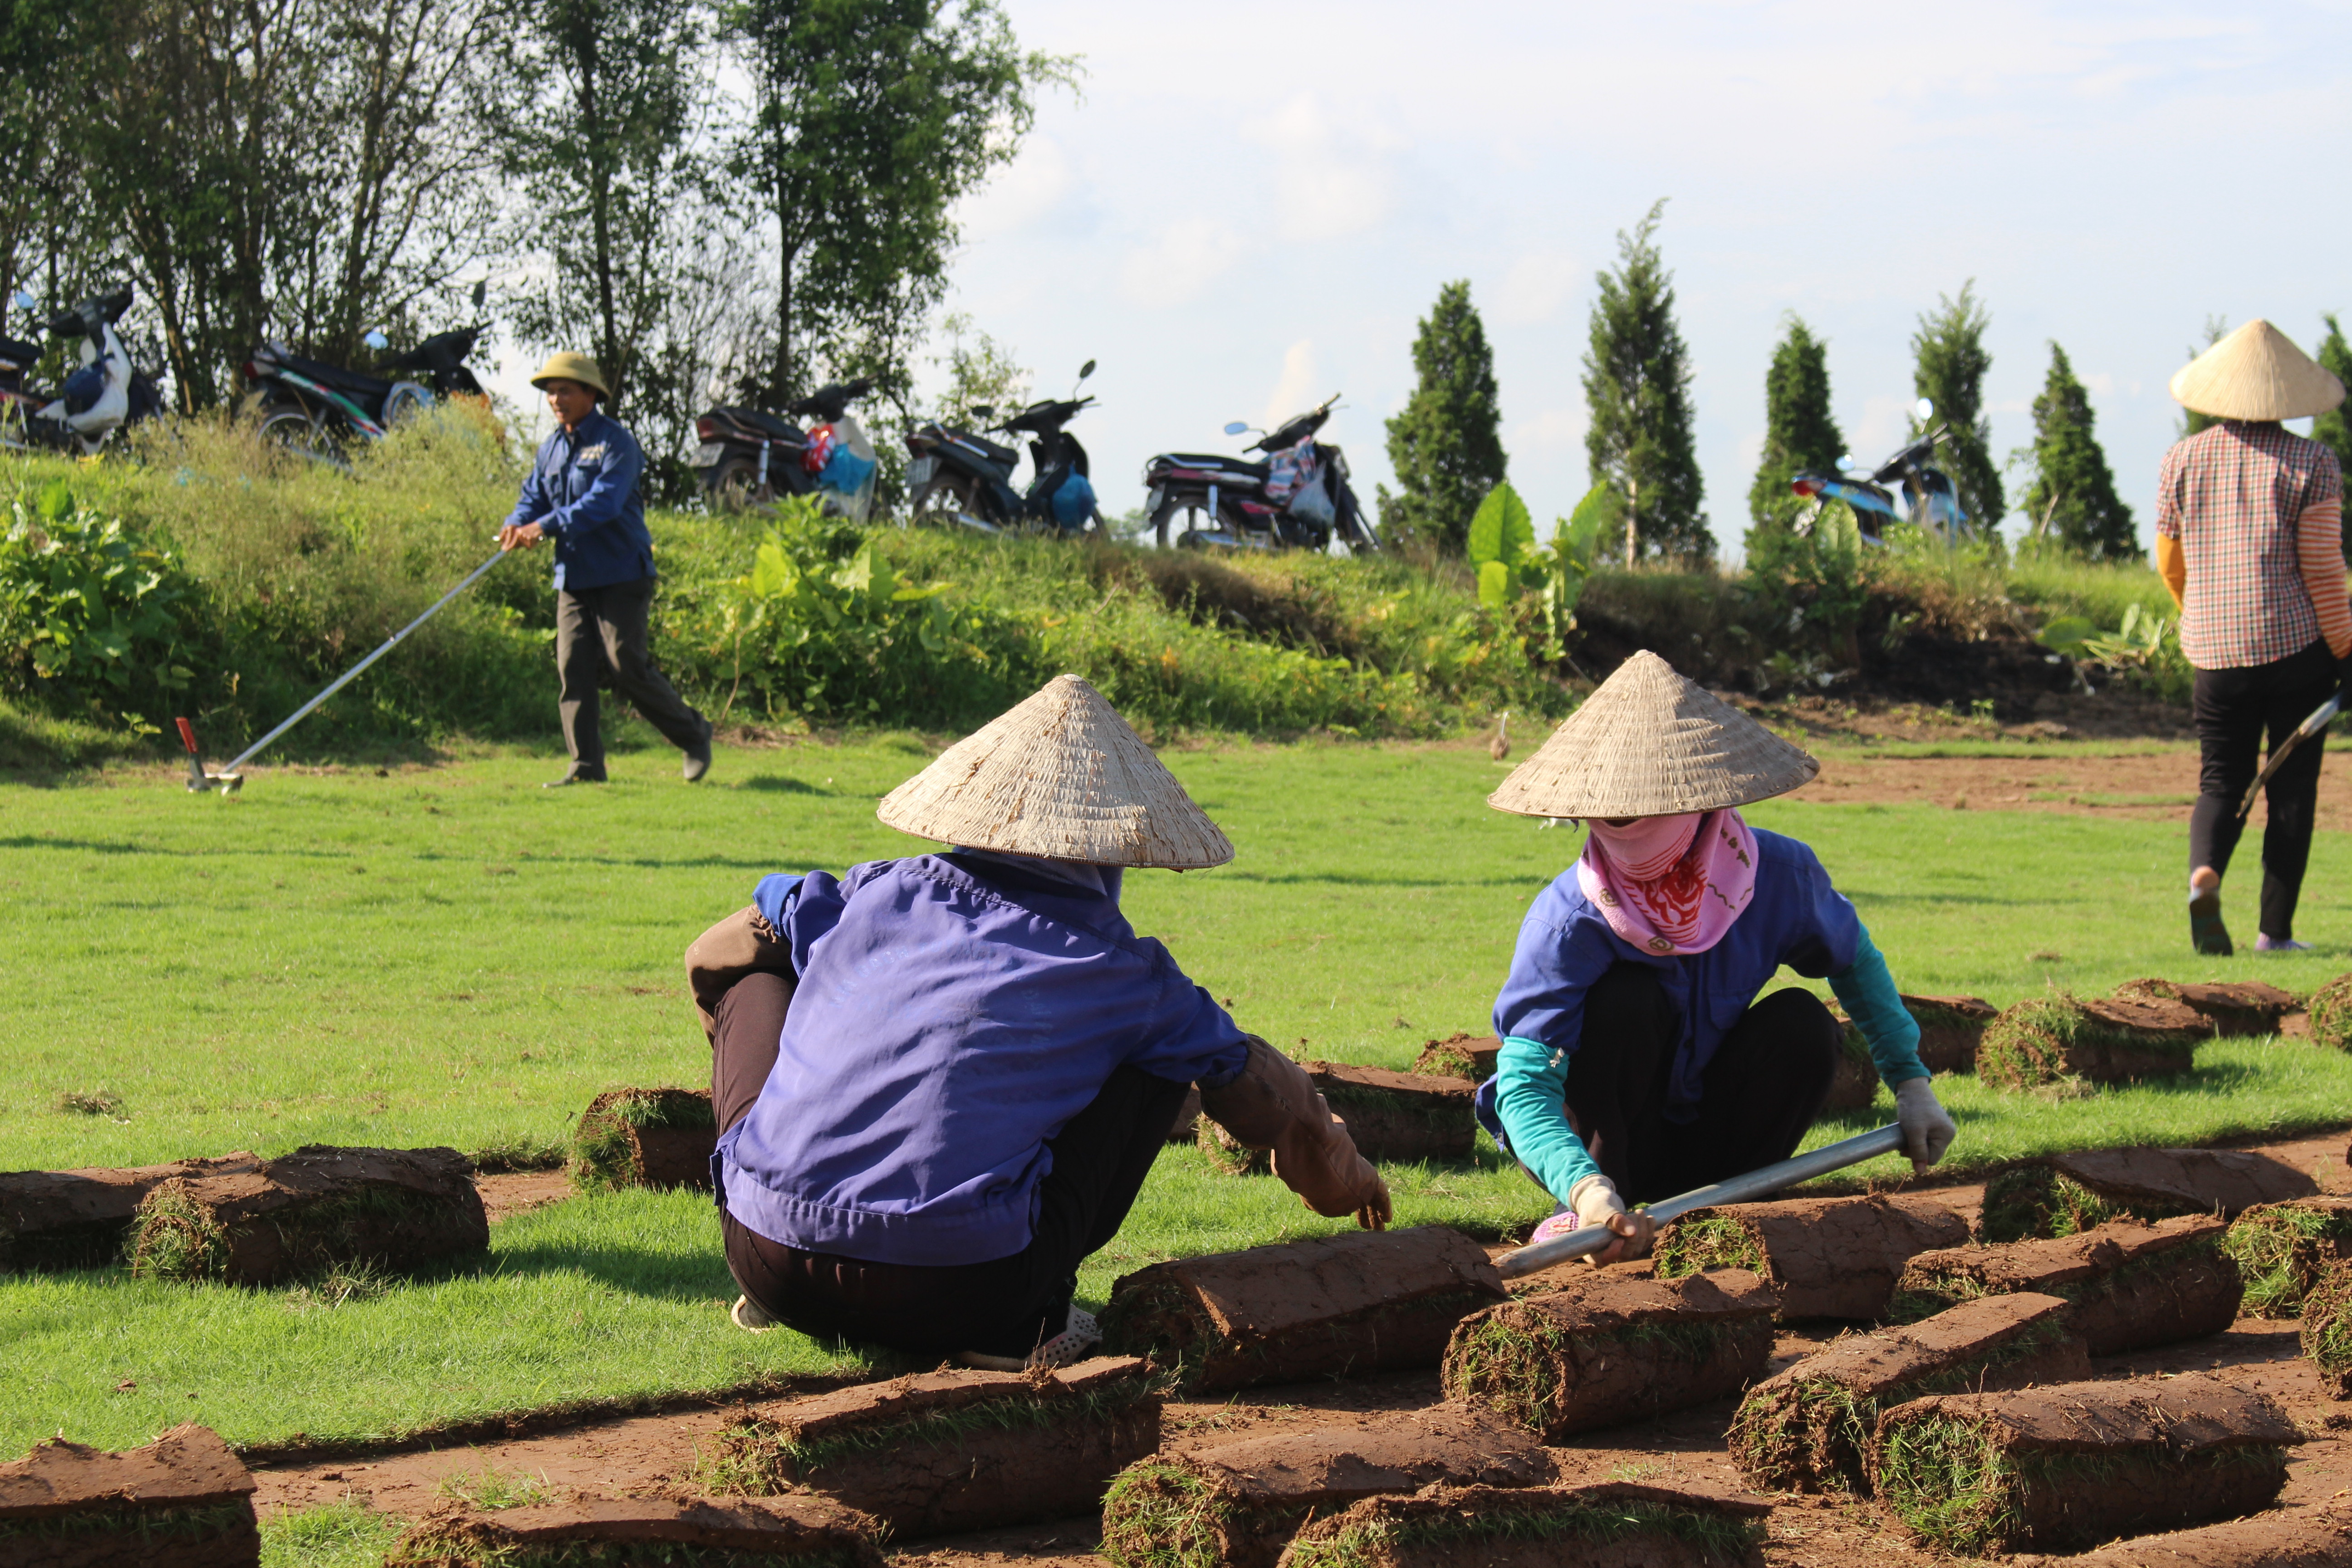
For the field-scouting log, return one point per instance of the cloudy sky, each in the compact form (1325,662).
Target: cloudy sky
(1248,207)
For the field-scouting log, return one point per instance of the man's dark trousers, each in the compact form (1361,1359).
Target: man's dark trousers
(603,633)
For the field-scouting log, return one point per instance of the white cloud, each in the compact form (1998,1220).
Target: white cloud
(1294,389)
(1026,194)
(1536,287)
(1188,256)
(1549,433)
(1332,181)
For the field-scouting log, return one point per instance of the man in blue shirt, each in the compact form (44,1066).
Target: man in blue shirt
(583,494)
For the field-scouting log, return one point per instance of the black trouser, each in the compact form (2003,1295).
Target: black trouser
(1007,1306)
(2233,707)
(604,634)
(1762,1090)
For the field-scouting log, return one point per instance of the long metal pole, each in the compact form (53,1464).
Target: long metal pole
(350,675)
(1760,1183)
(2319,719)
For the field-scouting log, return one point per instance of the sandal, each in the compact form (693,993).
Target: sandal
(1079,1334)
(2206,934)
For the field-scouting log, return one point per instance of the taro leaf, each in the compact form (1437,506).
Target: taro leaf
(1501,529)
(1493,584)
(2066,634)
(1581,533)
(56,500)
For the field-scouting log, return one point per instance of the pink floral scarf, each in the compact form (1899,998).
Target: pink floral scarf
(1670,884)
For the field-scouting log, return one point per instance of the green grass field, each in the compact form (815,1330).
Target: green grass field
(451,955)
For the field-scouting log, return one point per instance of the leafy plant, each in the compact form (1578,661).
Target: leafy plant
(88,613)
(1509,563)
(1502,545)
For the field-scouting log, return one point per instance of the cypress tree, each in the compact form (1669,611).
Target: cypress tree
(2073,496)
(1949,361)
(1637,385)
(2331,429)
(1798,430)
(1446,444)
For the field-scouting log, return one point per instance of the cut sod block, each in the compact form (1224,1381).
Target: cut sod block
(1617,1349)
(1468,1056)
(2057,1041)
(644,1138)
(2305,1536)
(2246,1007)
(617,1533)
(2282,1249)
(1854,1085)
(316,1208)
(1390,1117)
(2067,1193)
(76,1219)
(2076,1464)
(948,1451)
(2132,1286)
(2327,1329)
(1609,1524)
(1807,1428)
(1951,1029)
(183,1501)
(1237,1505)
(2330,1010)
(1824,1257)
(1359,1302)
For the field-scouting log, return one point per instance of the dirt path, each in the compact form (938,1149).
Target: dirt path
(518,1191)
(2154,787)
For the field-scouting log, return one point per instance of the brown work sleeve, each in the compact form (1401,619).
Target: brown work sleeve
(2172,565)
(1273,1104)
(744,943)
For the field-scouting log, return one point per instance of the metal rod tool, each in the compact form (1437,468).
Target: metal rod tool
(2302,732)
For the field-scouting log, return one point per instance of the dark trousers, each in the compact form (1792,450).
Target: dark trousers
(2233,707)
(1763,1089)
(601,634)
(1007,1306)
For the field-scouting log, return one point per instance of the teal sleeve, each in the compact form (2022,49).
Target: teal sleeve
(1867,991)
(1531,1099)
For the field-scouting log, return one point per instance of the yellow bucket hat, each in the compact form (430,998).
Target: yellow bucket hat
(571,367)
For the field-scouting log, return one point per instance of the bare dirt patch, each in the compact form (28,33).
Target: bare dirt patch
(2150,785)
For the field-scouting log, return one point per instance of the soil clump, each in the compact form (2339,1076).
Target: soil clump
(1616,1350)
(2132,1286)
(1460,1056)
(1329,1307)
(2073,1465)
(2247,1008)
(1807,1428)
(2282,1249)
(1238,1504)
(316,1208)
(644,1138)
(613,1533)
(182,1501)
(2060,1195)
(77,1219)
(2282,1538)
(950,1451)
(1608,1524)
(1824,1257)
(2047,1040)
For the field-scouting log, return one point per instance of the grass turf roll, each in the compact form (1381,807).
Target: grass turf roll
(1461,1056)
(2246,1008)
(2282,1249)
(2063,1193)
(644,1138)
(2130,1286)
(653,1532)
(1824,1257)
(1609,1524)
(1614,1351)
(2327,1329)
(2331,1014)
(182,1501)
(2056,1041)
(77,1219)
(2074,1464)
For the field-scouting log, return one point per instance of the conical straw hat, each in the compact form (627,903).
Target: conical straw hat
(1651,743)
(1063,777)
(2255,372)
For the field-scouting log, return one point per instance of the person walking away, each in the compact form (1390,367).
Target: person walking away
(2249,539)
(1638,1061)
(582,493)
(942,1080)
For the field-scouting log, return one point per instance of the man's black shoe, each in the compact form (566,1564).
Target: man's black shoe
(697,759)
(577,776)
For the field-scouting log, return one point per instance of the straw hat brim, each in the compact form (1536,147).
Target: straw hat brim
(2256,373)
(1063,777)
(573,367)
(1651,743)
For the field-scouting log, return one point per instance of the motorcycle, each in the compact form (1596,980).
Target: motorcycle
(312,407)
(1298,499)
(1928,501)
(104,394)
(974,474)
(747,456)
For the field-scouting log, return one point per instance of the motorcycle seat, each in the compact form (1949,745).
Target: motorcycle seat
(1004,455)
(18,353)
(1240,467)
(335,375)
(772,425)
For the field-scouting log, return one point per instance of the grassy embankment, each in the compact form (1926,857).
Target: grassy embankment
(449,955)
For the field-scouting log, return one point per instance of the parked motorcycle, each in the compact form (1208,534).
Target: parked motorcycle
(1298,499)
(748,457)
(1928,501)
(310,406)
(971,477)
(96,400)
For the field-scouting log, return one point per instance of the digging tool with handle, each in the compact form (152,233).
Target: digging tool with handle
(1755,1184)
(230,780)
(2302,732)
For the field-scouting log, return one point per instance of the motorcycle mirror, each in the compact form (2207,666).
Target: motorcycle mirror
(1086,370)
(1924,409)
(1845,461)
(481,293)
(376,340)
(1238,427)
(25,300)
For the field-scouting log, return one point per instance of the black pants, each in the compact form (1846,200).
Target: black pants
(2233,707)
(602,634)
(1007,1306)
(1763,1089)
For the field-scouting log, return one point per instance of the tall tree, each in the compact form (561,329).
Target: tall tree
(1949,363)
(2073,496)
(1447,444)
(869,118)
(2332,429)
(1799,432)
(1637,386)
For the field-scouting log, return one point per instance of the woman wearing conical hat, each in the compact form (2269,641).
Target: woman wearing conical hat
(942,1080)
(2249,537)
(1638,1060)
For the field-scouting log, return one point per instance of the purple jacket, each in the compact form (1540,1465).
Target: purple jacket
(954,1014)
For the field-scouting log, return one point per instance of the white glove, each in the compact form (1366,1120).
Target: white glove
(1927,1127)
(1596,1202)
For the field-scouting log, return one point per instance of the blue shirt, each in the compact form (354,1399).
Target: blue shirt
(1795,918)
(583,492)
(954,1014)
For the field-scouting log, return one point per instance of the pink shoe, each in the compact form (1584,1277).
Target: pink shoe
(1559,1225)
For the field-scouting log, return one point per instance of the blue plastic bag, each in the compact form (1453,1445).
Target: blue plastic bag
(1074,501)
(845,472)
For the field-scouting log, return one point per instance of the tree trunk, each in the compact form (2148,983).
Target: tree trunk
(1632,515)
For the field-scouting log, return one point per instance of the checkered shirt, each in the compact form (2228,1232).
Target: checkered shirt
(2232,494)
